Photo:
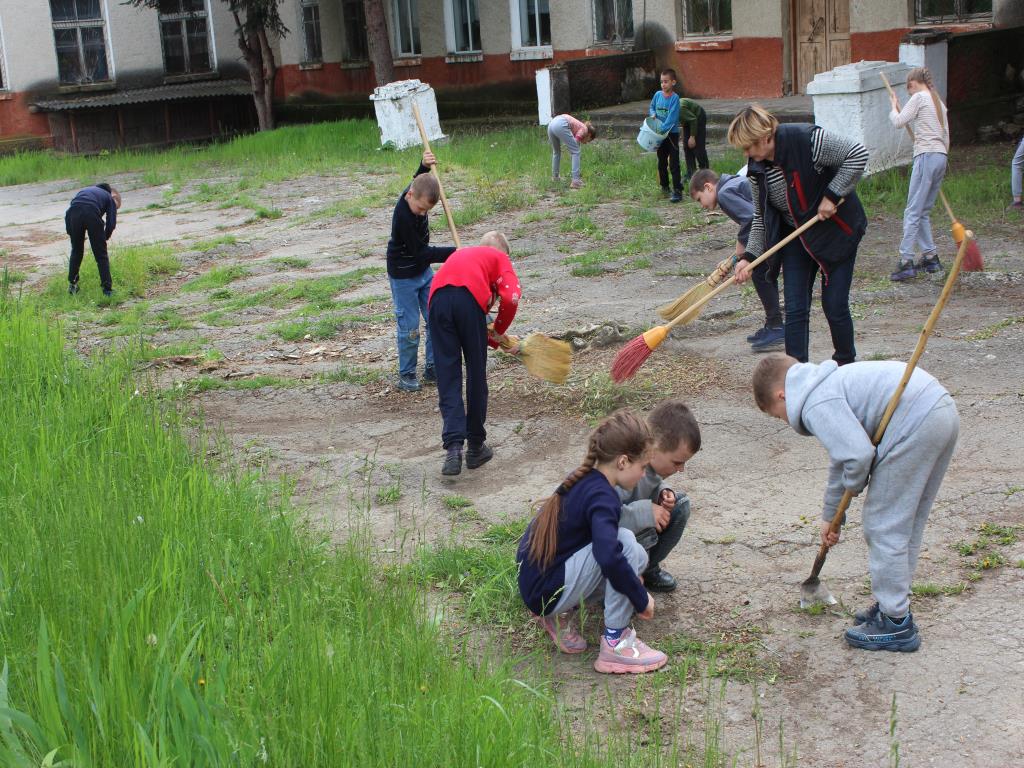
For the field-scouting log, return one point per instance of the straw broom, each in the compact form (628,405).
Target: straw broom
(683,302)
(635,353)
(972,261)
(544,357)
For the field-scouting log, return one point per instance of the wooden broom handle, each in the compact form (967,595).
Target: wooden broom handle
(692,311)
(910,132)
(433,170)
(894,401)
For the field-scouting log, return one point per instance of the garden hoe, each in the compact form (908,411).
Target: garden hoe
(813,591)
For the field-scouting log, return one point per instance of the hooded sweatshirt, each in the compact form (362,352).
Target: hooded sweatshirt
(842,407)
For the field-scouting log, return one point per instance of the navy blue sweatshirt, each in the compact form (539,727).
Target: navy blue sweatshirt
(590,515)
(100,201)
(409,249)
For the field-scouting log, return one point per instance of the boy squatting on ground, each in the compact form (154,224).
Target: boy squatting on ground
(465,289)
(409,274)
(732,195)
(842,407)
(665,109)
(85,215)
(655,513)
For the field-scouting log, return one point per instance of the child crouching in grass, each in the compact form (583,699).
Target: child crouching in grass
(574,551)
(843,407)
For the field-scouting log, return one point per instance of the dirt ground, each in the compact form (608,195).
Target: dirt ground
(755,486)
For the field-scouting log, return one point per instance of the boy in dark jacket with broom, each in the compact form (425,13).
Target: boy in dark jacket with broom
(732,195)
(409,273)
(464,290)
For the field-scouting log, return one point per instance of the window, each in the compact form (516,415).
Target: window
(708,17)
(613,21)
(946,11)
(406,20)
(78,36)
(314,51)
(533,25)
(356,46)
(465,26)
(184,37)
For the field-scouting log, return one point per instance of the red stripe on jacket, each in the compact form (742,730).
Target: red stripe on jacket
(488,274)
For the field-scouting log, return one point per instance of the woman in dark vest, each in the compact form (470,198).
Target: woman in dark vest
(798,171)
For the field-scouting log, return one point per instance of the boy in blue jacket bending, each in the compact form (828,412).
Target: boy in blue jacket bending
(843,407)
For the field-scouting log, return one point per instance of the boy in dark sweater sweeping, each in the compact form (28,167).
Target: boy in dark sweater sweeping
(409,258)
(732,195)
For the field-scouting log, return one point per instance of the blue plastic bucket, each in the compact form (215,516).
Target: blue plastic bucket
(649,138)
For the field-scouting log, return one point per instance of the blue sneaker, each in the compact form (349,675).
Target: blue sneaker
(408,384)
(757,335)
(904,271)
(882,633)
(774,338)
(929,264)
(866,615)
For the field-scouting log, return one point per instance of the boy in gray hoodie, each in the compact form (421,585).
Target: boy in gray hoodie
(655,513)
(842,407)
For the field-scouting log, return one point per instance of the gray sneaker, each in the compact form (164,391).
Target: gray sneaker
(882,633)
(408,384)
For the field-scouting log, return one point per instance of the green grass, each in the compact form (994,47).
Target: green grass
(928,589)
(734,659)
(205,246)
(347,374)
(389,494)
(325,327)
(320,293)
(135,268)
(209,384)
(284,263)
(217,277)
(991,330)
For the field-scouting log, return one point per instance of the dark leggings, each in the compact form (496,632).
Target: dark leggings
(699,154)
(79,220)
(668,158)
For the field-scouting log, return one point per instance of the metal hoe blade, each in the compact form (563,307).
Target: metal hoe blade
(814,592)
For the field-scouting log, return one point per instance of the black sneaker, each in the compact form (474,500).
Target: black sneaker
(882,633)
(774,338)
(757,335)
(657,580)
(929,264)
(429,375)
(453,461)
(478,455)
(904,271)
(866,615)
(108,292)
(677,196)
(665,190)
(72,288)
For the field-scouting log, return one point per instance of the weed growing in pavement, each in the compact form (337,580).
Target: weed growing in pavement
(324,327)
(928,589)
(389,494)
(456,501)
(991,330)
(319,292)
(353,375)
(217,277)
(981,554)
(205,246)
(735,659)
(284,263)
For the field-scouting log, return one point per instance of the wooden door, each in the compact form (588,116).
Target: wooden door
(822,38)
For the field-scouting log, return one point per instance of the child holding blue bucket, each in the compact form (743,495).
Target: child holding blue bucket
(665,111)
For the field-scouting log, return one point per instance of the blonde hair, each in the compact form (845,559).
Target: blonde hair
(923,76)
(496,239)
(769,377)
(623,433)
(752,124)
(426,188)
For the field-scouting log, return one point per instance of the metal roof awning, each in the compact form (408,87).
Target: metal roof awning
(202,89)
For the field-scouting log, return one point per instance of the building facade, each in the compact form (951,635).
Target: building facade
(87,74)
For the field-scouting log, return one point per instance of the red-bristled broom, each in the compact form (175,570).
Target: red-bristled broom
(635,353)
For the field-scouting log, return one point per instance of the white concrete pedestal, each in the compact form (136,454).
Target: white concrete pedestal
(852,101)
(543,78)
(393,106)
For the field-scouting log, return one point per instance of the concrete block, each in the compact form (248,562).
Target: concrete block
(543,78)
(392,104)
(852,101)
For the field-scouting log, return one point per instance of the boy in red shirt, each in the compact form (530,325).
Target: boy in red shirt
(464,289)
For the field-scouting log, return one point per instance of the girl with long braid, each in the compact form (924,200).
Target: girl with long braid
(925,113)
(574,551)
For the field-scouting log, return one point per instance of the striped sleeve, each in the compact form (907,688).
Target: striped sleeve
(849,157)
(755,238)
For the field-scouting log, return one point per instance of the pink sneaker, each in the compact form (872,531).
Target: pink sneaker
(629,655)
(562,629)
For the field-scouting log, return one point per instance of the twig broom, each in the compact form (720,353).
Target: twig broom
(972,261)
(544,357)
(683,302)
(635,353)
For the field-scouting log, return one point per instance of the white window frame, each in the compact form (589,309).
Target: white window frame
(78,25)
(398,24)
(522,52)
(605,41)
(957,18)
(684,13)
(210,43)
(451,38)
(306,57)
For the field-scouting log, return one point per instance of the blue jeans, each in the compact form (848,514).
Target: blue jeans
(800,272)
(1017,170)
(409,296)
(925,180)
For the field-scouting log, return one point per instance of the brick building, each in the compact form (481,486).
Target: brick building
(91,74)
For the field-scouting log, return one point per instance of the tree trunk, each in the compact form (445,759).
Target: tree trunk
(251,46)
(269,75)
(379,41)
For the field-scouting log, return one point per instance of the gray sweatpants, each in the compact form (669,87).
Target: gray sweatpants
(559,133)
(584,582)
(900,494)
(1017,170)
(925,180)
